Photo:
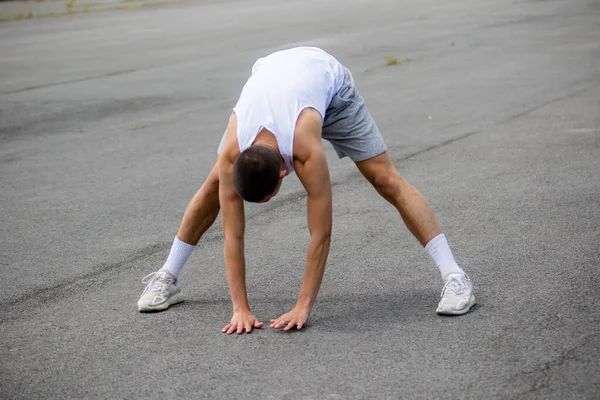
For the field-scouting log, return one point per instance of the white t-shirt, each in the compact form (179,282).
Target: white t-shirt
(281,86)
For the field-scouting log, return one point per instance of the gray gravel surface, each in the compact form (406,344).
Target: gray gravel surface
(109,122)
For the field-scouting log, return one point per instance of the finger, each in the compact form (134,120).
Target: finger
(279,324)
(299,326)
(226,327)
(289,326)
(231,329)
(258,325)
(240,329)
(284,323)
(248,327)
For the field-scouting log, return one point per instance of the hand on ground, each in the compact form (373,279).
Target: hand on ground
(294,319)
(242,321)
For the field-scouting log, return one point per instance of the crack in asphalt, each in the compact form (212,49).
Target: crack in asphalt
(68,82)
(544,104)
(540,376)
(44,295)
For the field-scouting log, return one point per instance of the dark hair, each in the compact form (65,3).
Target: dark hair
(256,172)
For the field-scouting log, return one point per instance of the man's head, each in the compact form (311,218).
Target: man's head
(257,173)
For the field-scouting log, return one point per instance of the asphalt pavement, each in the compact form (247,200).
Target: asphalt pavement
(109,122)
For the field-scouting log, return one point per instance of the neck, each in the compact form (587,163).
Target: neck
(266,138)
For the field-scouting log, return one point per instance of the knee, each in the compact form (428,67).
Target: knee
(387,185)
(211,186)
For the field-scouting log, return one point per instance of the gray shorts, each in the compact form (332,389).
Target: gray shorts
(348,125)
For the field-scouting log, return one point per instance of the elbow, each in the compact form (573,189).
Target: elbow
(233,239)
(323,238)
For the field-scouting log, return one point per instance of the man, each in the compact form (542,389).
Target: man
(293,99)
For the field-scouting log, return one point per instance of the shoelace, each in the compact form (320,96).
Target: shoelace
(156,282)
(455,285)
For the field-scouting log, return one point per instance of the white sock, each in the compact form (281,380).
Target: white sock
(178,255)
(439,250)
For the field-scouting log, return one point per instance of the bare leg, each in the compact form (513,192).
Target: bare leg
(162,289)
(457,295)
(412,206)
(202,210)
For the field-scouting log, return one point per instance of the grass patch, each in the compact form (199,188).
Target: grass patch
(390,60)
(117,73)
(69,6)
(90,7)
(132,6)
(20,14)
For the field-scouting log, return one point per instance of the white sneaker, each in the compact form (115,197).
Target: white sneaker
(162,290)
(457,295)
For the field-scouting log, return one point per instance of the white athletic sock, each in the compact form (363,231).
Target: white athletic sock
(178,255)
(439,250)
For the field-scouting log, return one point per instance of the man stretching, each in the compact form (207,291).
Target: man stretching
(293,99)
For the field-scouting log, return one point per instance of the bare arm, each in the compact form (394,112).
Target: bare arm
(314,175)
(311,167)
(233,221)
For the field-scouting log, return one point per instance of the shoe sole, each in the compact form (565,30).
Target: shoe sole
(458,312)
(177,298)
